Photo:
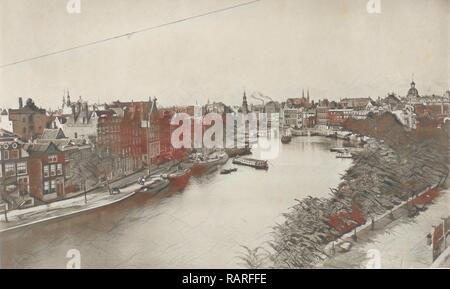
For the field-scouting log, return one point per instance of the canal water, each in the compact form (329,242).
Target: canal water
(202,226)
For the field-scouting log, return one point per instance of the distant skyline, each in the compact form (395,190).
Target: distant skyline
(336,49)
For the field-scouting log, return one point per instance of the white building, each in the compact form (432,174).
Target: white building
(78,119)
(406,116)
(293,117)
(5,123)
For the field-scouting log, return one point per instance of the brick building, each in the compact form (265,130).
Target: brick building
(337,117)
(46,165)
(28,121)
(14,174)
(107,144)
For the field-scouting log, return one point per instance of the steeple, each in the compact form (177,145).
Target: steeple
(64,99)
(244,103)
(303,93)
(307,95)
(68,98)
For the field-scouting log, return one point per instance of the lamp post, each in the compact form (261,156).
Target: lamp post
(5,211)
(432,244)
(85,192)
(444,232)
(107,185)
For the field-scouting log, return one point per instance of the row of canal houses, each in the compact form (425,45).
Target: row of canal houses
(302,112)
(49,156)
(45,156)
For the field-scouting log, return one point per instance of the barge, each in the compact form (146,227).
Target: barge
(254,163)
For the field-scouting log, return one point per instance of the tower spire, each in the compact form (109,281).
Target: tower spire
(64,99)
(244,103)
(68,98)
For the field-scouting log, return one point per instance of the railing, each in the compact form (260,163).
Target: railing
(439,237)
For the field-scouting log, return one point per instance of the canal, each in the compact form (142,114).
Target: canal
(202,226)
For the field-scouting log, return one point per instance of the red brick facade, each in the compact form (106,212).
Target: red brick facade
(46,165)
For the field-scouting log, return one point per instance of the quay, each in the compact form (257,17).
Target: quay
(97,198)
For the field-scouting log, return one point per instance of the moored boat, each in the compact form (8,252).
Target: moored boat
(200,163)
(154,184)
(338,150)
(257,164)
(286,137)
(234,152)
(344,155)
(228,171)
(178,179)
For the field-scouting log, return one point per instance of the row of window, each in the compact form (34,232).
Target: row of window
(13,169)
(50,187)
(9,155)
(53,170)
(52,158)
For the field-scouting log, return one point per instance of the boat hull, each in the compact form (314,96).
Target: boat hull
(257,164)
(234,152)
(199,168)
(286,139)
(179,181)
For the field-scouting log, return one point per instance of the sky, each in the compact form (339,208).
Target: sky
(334,48)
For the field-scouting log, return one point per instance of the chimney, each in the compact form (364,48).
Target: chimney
(20,102)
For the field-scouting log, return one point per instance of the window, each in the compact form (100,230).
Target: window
(52,158)
(46,187)
(21,168)
(46,174)
(6,155)
(53,170)
(10,170)
(53,186)
(59,169)
(23,185)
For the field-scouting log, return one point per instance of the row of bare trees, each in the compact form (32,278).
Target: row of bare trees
(391,170)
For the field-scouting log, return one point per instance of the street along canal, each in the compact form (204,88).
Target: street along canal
(202,226)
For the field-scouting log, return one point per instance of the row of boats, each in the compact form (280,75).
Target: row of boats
(175,181)
(197,164)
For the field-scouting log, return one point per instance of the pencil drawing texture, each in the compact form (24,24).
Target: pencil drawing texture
(224,134)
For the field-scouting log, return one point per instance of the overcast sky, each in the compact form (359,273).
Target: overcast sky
(333,47)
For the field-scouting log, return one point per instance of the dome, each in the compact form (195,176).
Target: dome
(413,91)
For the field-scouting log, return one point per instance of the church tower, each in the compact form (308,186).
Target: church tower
(413,93)
(244,103)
